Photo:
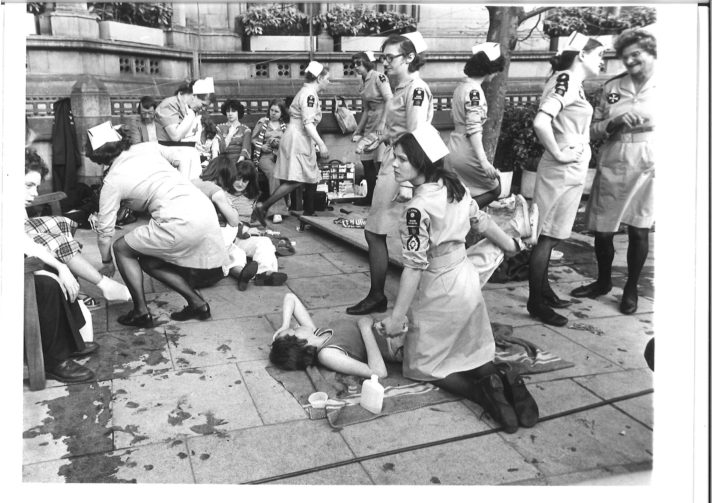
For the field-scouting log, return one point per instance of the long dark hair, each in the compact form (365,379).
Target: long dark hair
(246,170)
(108,152)
(284,117)
(563,61)
(292,353)
(433,171)
(479,65)
(221,171)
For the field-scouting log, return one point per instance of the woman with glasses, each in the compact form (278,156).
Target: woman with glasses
(410,107)
(375,94)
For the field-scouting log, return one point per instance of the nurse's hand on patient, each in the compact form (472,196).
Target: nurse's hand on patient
(572,153)
(394,327)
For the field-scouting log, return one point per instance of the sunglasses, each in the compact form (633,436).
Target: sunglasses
(389,57)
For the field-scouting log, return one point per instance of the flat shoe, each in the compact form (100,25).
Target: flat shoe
(546,315)
(368,305)
(248,272)
(89,348)
(629,303)
(494,402)
(190,313)
(70,371)
(552,300)
(591,291)
(518,395)
(131,320)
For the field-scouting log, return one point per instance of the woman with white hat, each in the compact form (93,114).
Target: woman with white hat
(296,162)
(375,94)
(449,340)
(410,107)
(469,114)
(562,126)
(181,246)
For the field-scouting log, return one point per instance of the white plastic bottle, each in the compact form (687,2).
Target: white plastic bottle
(372,395)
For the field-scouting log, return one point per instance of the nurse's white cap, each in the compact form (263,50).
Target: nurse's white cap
(314,67)
(491,50)
(418,41)
(204,86)
(430,141)
(371,57)
(575,42)
(102,134)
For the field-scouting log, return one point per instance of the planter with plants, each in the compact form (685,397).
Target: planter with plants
(363,29)
(273,28)
(133,22)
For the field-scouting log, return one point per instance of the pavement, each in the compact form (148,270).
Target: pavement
(191,402)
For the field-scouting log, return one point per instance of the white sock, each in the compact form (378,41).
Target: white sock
(113,290)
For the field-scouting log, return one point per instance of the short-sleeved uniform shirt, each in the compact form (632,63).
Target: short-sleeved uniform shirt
(618,97)
(564,100)
(169,111)
(306,106)
(374,91)
(411,106)
(469,107)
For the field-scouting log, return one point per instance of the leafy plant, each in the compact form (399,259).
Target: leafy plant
(276,20)
(346,21)
(562,21)
(153,15)
(36,7)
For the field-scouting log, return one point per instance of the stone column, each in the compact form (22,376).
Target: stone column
(91,105)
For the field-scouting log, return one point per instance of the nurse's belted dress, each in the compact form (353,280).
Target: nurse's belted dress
(559,187)
(296,161)
(449,327)
(622,190)
(374,91)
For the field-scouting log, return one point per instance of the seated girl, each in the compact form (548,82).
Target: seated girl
(240,183)
(346,346)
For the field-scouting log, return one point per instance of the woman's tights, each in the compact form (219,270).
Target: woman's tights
(486,198)
(539,269)
(377,264)
(638,245)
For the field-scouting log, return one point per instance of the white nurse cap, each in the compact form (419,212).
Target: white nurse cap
(103,134)
(491,50)
(314,67)
(575,42)
(371,57)
(204,86)
(418,41)
(429,140)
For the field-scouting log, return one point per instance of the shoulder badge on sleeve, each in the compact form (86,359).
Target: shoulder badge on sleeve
(382,78)
(311,100)
(412,222)
(474,97)
(418,96)
(613,98)
(562,84)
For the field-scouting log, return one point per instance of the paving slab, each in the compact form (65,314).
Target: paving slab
(274,403)
(343,290)
(227,302)
(152,409)
(256,453)
(217,342)
(595,438)
(348,261)
(160,305)
(66,421)
(348,475)
(554,397)
(483,460)
(307,266)
(165,463)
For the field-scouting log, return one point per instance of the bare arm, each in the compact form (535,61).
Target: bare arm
(177,132)
(226,209)
(488,167)
(292,306)
(67,280)
(311,131)
(545,134)
(337,360)
(410,278)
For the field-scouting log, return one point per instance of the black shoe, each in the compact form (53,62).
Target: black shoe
(270,279)
(248,272)
(494,401)
(547,315)
(131,320)
(518,395)
(368,305)
(592,290)
(189,313)
(629,302)
(89,348)
(70,371)
(552,300)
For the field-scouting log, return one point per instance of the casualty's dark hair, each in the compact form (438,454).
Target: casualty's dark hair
(284,113)
(209,128)
(246,170)
(234,106)
(433,171)
(292,353)
(109,151)
(407,47)
(147,102)
(33,162)
(363,58)
(310,77)
(221,171)
(643,38)
(564,60)
(185,88)
(479,65)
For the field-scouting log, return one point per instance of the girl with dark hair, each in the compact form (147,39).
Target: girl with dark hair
(411,106)
(375,94)
(347,347)
(235,137)
(562,127)
(240,186)
(266,137)
(181,245)
(622,190)
(208,146)
(449,341)
(296,162)
(469,114)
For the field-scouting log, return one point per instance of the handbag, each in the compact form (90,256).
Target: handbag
(345,118)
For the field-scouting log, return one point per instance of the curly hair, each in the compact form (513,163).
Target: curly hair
(479,65)
(33,162)
(406,45)
(292,353)
(107,153)
(234,106)
(643,38)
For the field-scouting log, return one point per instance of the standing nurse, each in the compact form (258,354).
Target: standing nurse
(469,113)
(562,128)
(411,106)
(623,188)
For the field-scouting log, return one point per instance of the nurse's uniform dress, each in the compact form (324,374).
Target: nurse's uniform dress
(622,190)
(172,111)
(296,161)
(411,106)
(559,187)
(449,330)
(469,114)
(374,91)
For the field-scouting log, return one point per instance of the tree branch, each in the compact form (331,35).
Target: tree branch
(532,13)
(530,31)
